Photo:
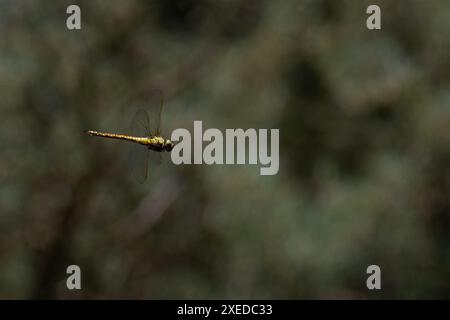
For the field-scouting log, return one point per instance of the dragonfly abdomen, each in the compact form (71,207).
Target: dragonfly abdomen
(141,140)
(154,143)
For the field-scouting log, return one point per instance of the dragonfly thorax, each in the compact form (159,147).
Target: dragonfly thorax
(160,144)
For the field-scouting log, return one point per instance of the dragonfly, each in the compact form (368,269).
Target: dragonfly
(142,136)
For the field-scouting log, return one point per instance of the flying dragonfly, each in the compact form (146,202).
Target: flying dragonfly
(142,136)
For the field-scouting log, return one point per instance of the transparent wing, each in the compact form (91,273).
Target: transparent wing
(140,123)
(138,155)
(154,104)
(155,111)
(145,122)
(158,119)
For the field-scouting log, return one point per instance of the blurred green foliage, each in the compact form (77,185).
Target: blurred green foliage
(364,120)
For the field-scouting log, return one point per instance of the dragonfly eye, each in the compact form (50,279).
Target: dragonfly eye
(168,145)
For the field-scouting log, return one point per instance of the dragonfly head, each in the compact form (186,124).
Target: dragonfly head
(168,145)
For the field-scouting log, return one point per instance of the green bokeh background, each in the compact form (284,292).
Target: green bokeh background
(364,119)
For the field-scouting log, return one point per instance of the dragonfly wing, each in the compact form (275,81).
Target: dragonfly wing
(138,155)
(138,162)
(140,123)
(152,104)
(158,118)
(155,103)
(146,122)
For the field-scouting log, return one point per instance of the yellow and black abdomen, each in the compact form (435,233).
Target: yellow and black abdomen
(154,143)
(141,140)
